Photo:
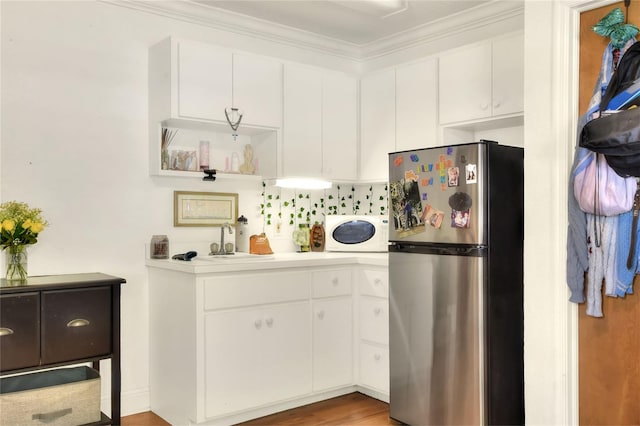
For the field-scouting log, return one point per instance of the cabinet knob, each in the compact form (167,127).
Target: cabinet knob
(269,322)
(377,311)
(78,322)
(320,314)
(484,106)
(497,104)
(335,281)
(4,331)
(258,324)
(377,281)
(376,357)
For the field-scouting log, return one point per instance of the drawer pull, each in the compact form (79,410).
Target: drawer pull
(78,322)
(321,314)
(53,415)
(377,357)
(4,331)
(258,324)
(335,281)
(269,322)
(377,281)
(377,311)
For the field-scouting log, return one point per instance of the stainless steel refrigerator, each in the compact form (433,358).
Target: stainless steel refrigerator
(456,285)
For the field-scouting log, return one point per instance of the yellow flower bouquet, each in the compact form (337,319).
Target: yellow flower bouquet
(19,227)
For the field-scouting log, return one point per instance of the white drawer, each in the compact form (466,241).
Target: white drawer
(332,282)
(374,282)
(234,290)
(374,366)
(374,320)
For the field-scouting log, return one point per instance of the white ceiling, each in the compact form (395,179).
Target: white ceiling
(358,22)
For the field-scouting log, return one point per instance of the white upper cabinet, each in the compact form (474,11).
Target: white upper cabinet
(377,124)
(302,128)
(339,126)
(417,105)
(197,81)
(204,81)
(482,81)
(257,89)
(508,75)
(320,123)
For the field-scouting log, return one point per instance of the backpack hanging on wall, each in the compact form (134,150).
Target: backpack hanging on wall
(616,134)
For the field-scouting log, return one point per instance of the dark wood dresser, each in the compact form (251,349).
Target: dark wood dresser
(57,320)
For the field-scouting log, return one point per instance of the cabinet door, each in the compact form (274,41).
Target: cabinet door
(19,331)
(286,353)
(234,343)
(204,81)
(465,84)
(417,105)
(374,366)
(374,320)
(377,125)
(332,343)
(256,356)
(302,121)
(339,126)
(508,75)
(257,90)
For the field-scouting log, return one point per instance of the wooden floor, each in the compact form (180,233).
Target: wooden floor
(351,409)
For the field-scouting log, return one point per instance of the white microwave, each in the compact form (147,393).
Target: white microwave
(359,233)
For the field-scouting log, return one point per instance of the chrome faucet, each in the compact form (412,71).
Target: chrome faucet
(226,225)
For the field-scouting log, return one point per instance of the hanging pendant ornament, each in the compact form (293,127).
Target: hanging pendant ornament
(234,117)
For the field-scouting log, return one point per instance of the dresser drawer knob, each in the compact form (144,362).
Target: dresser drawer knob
(4,331)
(78,322)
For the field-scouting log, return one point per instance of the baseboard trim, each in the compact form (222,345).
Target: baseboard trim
(132,402)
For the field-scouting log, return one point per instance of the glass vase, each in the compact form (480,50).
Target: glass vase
(16,263)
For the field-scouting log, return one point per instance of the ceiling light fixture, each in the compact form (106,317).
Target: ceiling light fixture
(377,8)
(302,183)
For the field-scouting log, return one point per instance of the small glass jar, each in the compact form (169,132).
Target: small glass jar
(159,247)
(301,237)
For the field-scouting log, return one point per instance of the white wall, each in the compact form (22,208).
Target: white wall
(74,143)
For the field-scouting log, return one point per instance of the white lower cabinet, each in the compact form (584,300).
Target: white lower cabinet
(227,347)
(373,330)
(256,356)
(332,329)
(374,366)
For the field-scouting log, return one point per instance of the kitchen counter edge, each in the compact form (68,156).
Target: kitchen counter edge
(275,261)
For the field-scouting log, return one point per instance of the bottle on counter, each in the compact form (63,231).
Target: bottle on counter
(159,248)
(317,237)
(242,235)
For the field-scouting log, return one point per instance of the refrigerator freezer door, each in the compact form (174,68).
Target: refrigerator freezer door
(435,332)
(437,195)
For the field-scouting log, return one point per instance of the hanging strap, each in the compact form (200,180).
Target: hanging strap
(596,202)
(634,227)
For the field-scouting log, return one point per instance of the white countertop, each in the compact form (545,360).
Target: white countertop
(209,264)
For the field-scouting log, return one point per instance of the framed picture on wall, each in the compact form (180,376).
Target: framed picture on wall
(204,208)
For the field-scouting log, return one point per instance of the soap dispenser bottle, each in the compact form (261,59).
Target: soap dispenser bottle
(242,235)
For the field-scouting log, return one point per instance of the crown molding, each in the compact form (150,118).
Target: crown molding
(487,15)
(491,13)
(220,19)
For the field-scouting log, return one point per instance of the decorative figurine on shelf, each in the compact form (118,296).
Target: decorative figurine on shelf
(247,167)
